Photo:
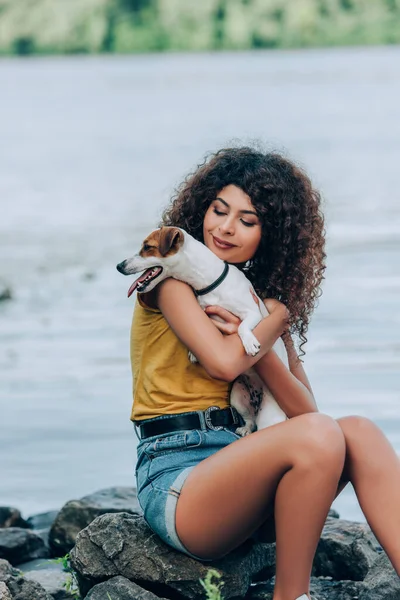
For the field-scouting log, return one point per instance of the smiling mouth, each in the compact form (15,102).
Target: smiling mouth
(140,284)
(221,244)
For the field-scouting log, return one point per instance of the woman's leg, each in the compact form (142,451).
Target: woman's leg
(295,465)
(373,468)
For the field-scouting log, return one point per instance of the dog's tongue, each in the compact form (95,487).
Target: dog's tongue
(137,281)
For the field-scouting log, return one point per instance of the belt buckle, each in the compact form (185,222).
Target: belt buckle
(207,417)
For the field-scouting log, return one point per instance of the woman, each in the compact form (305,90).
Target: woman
(203,489)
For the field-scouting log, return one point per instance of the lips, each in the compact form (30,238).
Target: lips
(222,244)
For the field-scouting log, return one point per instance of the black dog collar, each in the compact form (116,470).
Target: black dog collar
(214,285)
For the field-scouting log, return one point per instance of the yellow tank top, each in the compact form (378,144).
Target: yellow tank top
(164,380)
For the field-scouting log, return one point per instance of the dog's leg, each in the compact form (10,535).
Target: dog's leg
(249,340)
(240,399)
(269,412)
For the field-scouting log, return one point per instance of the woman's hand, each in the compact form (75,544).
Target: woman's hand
(229,322)
(225,321)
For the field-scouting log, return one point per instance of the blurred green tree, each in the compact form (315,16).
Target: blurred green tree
(93,26)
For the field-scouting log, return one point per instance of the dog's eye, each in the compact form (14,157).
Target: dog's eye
(146,247)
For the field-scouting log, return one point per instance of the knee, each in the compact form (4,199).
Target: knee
(323,441)
(357,428)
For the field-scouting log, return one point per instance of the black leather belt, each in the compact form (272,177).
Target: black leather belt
(213,418)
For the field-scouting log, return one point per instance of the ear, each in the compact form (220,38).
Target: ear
(171,239)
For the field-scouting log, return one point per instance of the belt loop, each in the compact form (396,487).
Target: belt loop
(136,428)
(235,415)
(202,419)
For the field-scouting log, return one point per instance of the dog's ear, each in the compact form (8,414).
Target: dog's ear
(171,239)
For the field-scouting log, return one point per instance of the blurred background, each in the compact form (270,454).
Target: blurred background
(105,105)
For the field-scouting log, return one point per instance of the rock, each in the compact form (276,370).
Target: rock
(5,292)
(321,588)
(11,517)
(269,572)
(50,575)
(19,545)
(120,588)
(19,588)
(382,582)
(346,550)
(42,520)
(41,524)
(123,544)
(5,593)
(77,514)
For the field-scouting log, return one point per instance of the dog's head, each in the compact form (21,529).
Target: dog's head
(156,258)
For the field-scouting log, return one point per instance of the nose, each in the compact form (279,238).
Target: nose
(227,227)
(121,266)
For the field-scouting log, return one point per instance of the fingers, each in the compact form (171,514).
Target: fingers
(223,314)
(226,328)
(225,321)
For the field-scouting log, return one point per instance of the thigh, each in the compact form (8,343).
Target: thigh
(229,495)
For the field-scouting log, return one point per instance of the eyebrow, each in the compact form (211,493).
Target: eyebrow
(247,212)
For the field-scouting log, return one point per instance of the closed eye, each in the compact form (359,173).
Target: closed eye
(245,223)
(217,212)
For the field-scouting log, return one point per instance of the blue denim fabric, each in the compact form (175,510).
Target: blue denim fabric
(164,462)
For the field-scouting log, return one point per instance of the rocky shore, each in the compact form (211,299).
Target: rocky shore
(113,555)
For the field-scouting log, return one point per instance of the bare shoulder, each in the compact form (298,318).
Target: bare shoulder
(173,289)
(167,286)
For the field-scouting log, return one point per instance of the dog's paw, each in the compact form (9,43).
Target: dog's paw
(243,431)
(250,343)
(192,358)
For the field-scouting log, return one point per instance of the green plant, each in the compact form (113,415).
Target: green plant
(213,590)
(71,583)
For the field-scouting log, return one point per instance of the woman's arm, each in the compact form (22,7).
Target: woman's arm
(290,387)
(222,357)
(295,364)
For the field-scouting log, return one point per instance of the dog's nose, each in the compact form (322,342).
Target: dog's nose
(121,267)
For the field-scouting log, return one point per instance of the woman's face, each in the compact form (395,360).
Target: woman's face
(231,228)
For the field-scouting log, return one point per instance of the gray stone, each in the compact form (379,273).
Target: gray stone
(41,524)
(19,545)
(120,588)
(346,550)
(5,292)
(50,575)
(42,520)
(123,544)
(18,587)
(11,517)
(321,589)
(77,514)
(5,593)
(333,514)
(382,582)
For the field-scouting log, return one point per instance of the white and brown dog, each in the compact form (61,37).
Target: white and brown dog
(171,252)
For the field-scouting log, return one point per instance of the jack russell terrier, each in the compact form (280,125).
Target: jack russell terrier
(171,252)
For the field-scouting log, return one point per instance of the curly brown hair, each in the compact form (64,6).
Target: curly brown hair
(289,263)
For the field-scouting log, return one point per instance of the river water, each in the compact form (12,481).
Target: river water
(91,151)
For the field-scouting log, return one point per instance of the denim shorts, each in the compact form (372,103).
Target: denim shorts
(164,462)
